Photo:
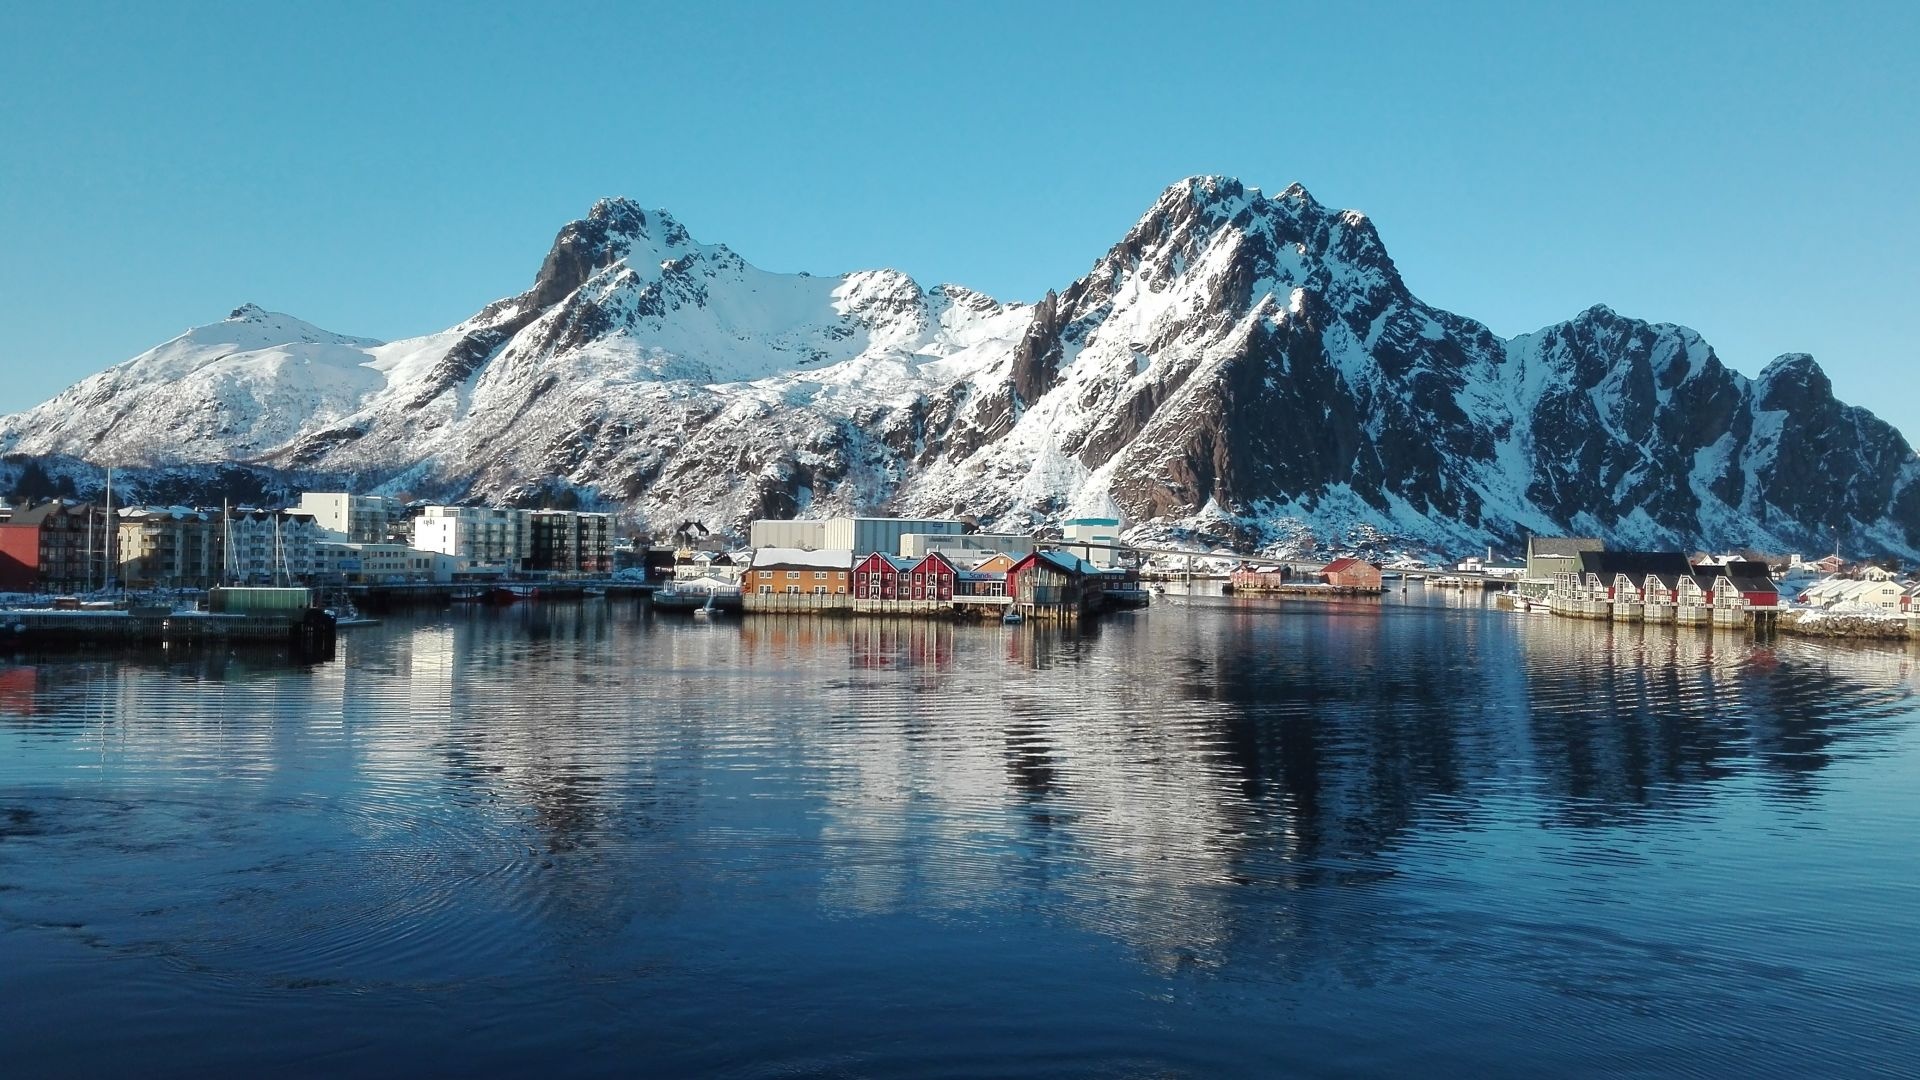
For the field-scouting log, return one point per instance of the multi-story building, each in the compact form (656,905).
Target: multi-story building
(57,546)
(262,547)
(479,536)
(570,542)
(169,547)
(363,519)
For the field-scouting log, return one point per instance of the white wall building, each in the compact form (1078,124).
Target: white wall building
(479,536)
(864,536)
(364,519)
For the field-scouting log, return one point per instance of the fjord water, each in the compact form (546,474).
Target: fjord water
(1219,838)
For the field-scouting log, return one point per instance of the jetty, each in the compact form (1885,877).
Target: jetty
(274,618)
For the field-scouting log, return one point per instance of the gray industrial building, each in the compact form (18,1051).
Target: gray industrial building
(862,535)
(917,545)
(806,535)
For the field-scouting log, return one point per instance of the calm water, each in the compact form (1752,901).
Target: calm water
(1216,839)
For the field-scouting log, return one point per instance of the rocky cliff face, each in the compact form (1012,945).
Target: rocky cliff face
(1238,365)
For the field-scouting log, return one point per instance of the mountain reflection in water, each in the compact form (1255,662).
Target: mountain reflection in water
(1208,839)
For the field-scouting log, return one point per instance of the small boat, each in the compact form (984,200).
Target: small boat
(707,610)
(1012,618)
(350,616)
(593,590)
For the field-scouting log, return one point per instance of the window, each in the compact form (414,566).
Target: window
(765,590)
(791,574)
(793,590)
(819,575)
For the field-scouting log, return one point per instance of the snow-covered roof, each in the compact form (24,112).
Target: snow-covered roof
(817,559)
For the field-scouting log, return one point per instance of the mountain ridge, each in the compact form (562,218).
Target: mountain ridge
(1237,365)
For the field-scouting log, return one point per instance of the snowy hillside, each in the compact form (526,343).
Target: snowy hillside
(1237,365)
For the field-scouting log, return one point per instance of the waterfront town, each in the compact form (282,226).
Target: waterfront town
(333,544)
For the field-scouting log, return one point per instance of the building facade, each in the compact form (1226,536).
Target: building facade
(569,542)
(865,535)
(479,536)
(169,547)
(1551,555)
(805,535)
(363,519)
(267,547)
(1356,574)
(1094,539)
(57,546)
(797,579)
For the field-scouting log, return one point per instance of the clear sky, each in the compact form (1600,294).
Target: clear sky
(386,170)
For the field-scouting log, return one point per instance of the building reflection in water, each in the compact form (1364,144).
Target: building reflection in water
(1207,777)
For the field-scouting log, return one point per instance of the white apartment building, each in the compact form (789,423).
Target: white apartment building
(479,536)
(363,519)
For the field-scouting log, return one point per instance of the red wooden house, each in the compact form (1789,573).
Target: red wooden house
(878,577)
(931,578)
(1352,574)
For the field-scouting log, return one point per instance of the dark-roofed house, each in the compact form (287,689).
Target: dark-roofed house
(1616,584)
(1739,584)
(57,546)
(1053,584)
(1550,555)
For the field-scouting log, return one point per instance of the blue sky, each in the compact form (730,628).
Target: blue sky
(1746,169)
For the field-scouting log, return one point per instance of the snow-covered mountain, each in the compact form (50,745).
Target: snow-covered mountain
(1237,365)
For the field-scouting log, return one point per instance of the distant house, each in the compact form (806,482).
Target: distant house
(1352,574)
(1258,577)
(1832,564)
(1885,595)
(1550,555)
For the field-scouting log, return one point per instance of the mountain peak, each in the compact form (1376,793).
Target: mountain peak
(247,313)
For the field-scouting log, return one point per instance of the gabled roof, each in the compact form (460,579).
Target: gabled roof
(36,515)
(1634,564)
(1746,576)
(1062,561)
(1339,565)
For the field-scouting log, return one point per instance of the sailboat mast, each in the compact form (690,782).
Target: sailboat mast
(106,569)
